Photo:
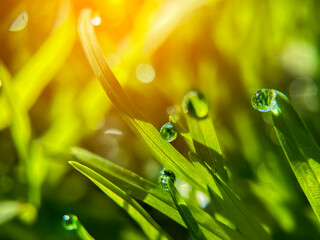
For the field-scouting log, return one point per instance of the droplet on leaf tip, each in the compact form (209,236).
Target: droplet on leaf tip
(164,177)
(168,132)
(195,103)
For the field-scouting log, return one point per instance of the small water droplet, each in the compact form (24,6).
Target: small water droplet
(70,222)
(20,22)
(195,103)
(145,73)
(168,132)
(164,177)
(265,100)
(0,83)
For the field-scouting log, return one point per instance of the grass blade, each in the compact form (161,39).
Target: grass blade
(166,154)
(29,82)
(152,195)
(206,143)
(185,213)
(133,208)
(300,148)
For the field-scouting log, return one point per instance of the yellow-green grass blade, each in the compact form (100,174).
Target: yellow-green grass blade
(165,153)
(185,212)
(300,148)
(151,194)
(133,208)
(206,143)
(31,79)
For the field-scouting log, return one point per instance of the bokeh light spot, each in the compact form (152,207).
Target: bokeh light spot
(145,73)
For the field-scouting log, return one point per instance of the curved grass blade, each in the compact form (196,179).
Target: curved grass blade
(133,208)
(152,195)
(166,154)
(29,82)
(300,148)
(185,213)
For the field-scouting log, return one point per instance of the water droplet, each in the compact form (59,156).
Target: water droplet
(168,132)
(70,222)
(96,21)
(265,100)
(0,83)
(195,103)
(145,73)
(20,22)
(164,177)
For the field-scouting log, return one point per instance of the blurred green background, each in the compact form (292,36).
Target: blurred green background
(159,50)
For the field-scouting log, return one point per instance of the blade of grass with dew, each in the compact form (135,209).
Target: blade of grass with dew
(300,148)
(232,206)
(151,194)
(133,208)
(185,213)
(206,143)
(166,154)
(72,223)
(30,81)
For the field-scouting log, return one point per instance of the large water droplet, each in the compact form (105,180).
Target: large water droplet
(168,132)
(70,222)
(164,177)
(195,103)
(265,100)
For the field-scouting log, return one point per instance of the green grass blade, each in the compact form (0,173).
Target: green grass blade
(166,154)
(206,143)
(232,206)
(152,194)
(185,213)
(133,208)
(30,81)
(300,148)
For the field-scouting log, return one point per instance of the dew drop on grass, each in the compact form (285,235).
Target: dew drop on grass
(265,100)
(168,132)
(164,177)
(195,103)
(20,22)
(70,222)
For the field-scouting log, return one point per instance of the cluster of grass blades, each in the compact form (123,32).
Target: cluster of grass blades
(205,171)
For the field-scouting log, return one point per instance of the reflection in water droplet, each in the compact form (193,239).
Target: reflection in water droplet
(168,132)
(70,222)
(265,100)
(96,21)
(164,177)
(20,22)
(145,73)
(195,103)
(202,199)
